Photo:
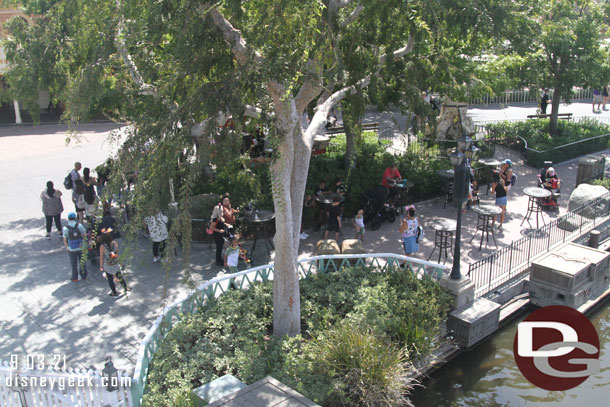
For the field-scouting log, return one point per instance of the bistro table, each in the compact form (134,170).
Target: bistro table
(485,222)
(448,175)
(491,164)
(535,194)
(443,237)
(260,220)
(401,188)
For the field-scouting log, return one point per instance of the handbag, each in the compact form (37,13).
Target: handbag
(208,229)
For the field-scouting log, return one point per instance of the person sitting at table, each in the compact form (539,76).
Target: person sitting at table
(334,218)
(551,181)
(391,176)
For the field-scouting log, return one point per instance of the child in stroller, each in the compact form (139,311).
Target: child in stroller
(548,179)
(377,207)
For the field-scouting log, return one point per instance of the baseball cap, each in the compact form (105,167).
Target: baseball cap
(509,162)
(72,215)
(551,171)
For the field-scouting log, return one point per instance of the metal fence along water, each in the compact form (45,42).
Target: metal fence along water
(511,261)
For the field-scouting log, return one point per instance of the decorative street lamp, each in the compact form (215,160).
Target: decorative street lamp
(465,150)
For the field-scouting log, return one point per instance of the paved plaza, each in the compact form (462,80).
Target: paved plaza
(43,312)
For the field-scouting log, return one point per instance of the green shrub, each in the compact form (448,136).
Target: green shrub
(605,182)
(371,161)
(233,334)
(367,370)
(536,134)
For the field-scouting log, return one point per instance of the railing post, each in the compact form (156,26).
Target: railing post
(529,248)
(510,257)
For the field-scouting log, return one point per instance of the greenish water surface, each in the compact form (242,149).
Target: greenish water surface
(487,376)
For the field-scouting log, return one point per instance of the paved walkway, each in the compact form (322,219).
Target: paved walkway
(44,313)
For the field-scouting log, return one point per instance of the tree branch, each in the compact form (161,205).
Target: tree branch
(144,88)
(353,15)
(233,37)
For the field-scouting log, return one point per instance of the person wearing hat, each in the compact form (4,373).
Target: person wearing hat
(391,176)
(109,261)
(506,173)
(74,239)
(551,180)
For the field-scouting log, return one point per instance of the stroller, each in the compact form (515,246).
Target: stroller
(376,206)
(547,179)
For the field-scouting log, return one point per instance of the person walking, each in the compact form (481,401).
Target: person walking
(597,100)
(52,208)
(157,229)
(109,261)
(409,228)
(74,239)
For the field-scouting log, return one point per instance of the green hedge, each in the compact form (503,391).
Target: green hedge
(371,161)
(346,316)
(536,134)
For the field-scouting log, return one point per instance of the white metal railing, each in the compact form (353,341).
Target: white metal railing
(218,286)
(29,386)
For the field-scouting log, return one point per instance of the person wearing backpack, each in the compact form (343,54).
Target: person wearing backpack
(78,197)
(74,238)
(89,194)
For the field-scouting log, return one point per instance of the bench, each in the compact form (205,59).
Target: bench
(341,129)
(564,116)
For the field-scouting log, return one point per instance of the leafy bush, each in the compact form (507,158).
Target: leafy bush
(368,370)
(536,134)
(605,182)
(387,319)
(371,161)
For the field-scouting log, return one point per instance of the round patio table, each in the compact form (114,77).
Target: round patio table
(485,222)
(535,194)
(443,236)
(260,220)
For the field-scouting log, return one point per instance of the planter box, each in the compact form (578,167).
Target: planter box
(570,266)
(474,322)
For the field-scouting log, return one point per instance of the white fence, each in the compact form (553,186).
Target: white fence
(23,387)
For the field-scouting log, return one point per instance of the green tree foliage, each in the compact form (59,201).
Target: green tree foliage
(553,44)
(174,70)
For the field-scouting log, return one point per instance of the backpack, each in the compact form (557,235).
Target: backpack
(75,237)
(513,179)
(89,194)
(68,184)
(420,233)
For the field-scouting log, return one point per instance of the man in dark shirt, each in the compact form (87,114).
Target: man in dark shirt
(544,101)
(334,218)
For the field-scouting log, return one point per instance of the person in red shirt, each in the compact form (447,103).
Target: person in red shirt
(390,175)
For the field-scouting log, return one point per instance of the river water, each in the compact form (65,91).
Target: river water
(487,376)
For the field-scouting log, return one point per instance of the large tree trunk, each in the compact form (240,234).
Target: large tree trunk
(289,178)
(555,110)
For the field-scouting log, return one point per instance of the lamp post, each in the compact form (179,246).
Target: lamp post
(465,150)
